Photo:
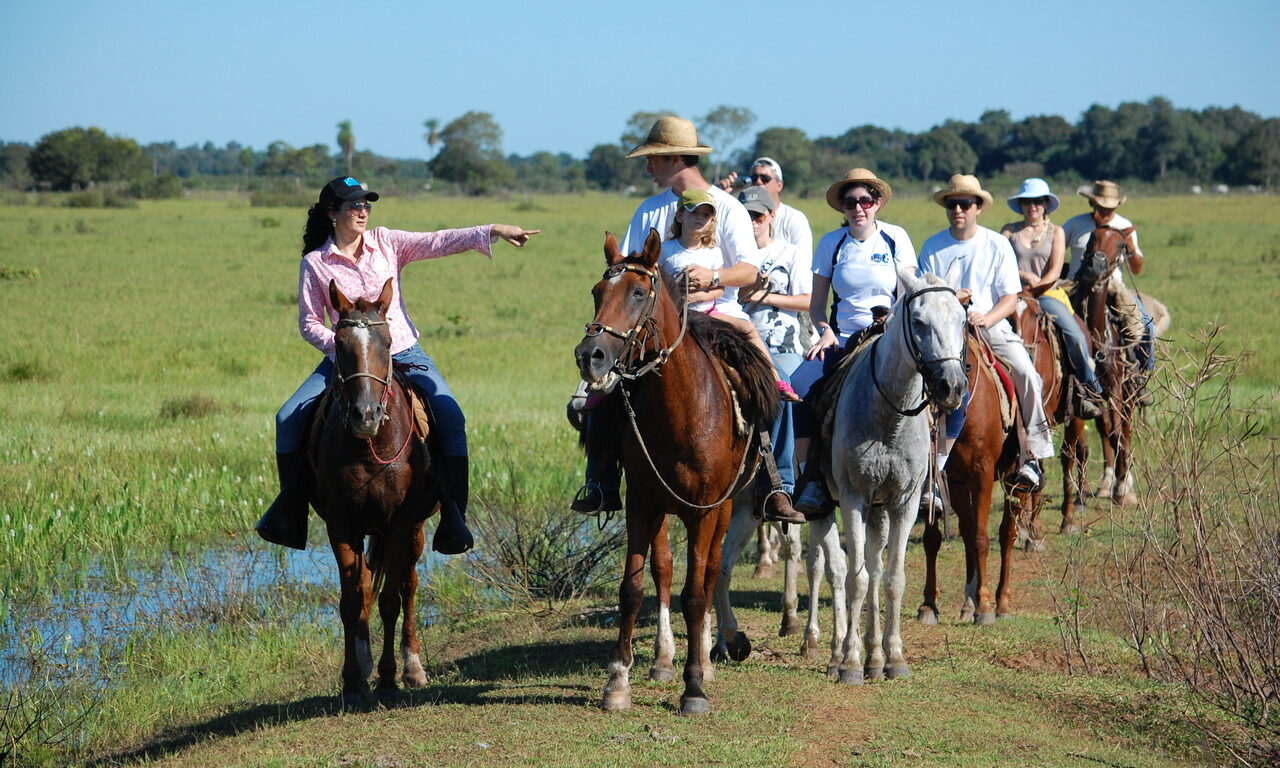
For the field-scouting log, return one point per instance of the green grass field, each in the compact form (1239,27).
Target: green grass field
(147,350)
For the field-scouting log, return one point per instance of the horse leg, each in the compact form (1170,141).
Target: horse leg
(766,551)
(1105,425)
(1073,455)
(790,554)
(927,613)
(640,532)
(895,586)
(389,603)
(414,676)
(664,642)
(855,534)
(353,608)
(980,593)
(730,643)
(1123,494)
(877,533)
(837,572)
(815,567)
(1015,505)
(705,531)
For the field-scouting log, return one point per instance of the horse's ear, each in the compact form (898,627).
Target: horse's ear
(652,248)
(908,279)
(340,303)
(953,274)
(384,298)
(1128,234)
(612,254)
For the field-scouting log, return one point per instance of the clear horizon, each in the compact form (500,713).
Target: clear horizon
(561,79)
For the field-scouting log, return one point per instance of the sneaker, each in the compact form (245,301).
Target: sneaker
(593,498)
(814,503)
(931,501)
(787,393)
(1029,476)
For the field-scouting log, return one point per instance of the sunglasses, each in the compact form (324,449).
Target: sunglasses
(360,206)
(1043,202)
(762,178)
(962,204)
(849,203)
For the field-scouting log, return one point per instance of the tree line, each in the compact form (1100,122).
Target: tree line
(1151,141)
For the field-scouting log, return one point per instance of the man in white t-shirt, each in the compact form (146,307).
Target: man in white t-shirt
(988,279)
(671,152)
(1105,198)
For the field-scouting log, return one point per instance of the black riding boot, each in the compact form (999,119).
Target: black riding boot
(600,492)
(285,521)
(452,536)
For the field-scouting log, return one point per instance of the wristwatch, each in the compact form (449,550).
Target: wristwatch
(715,278)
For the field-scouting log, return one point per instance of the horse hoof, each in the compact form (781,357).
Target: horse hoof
(739,646)
(873,673)
(1004,616)
(1069,530)
(966,614)
(719,654)
(1035,545)
(897,673)
(809,649)
(662,674)
(1128,500)
(695,705)
(763,572)
(851,676)
(616,701)
(354,701)
(790,625)
(390,696)
(984,619)
(927,615)
(833,673)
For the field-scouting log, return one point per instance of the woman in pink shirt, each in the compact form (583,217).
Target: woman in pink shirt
(337,245)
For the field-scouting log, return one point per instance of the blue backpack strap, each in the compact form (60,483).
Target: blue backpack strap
(835,297)
(893,254)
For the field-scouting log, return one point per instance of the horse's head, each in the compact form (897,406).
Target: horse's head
(362,358)
(933,326)
(626,301)
(1102,254)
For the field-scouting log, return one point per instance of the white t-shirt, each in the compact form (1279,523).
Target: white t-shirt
(787,270)
(733,225)
(863,273)
(988,266)
(1077,231)
(792,226)
(676,258)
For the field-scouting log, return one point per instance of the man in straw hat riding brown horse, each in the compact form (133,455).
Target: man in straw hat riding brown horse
(1104,197)
(989,280)
(671,153)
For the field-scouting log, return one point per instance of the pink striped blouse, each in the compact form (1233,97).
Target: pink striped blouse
(384,253)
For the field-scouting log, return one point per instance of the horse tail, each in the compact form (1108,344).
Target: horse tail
(376,558)
(757,386)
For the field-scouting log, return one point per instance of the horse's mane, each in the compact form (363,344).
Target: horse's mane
(756,383)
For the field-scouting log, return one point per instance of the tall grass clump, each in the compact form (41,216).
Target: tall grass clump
(1194,577)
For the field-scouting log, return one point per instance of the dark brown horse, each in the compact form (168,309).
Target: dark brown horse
(687,444)
(371,481)
(1116,362)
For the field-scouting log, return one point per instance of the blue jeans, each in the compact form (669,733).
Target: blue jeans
(447,420)
(810,373)
(1076,343)
(783,433)
(1147,349)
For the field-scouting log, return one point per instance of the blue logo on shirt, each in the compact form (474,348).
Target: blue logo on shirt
(879,258)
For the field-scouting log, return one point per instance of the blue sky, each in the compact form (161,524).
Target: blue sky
(565,76)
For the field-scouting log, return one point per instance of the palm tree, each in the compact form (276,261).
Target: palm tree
(432,136)
(347,142)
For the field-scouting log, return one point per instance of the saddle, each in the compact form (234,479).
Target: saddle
(824,405)
(996,373)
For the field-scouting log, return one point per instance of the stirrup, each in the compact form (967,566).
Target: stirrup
(1030,476)
(777,508)
(592,499)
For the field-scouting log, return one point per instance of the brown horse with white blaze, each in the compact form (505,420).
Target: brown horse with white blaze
(371,481)
(687,443)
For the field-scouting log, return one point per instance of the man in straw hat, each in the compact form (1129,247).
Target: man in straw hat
(989,281)
(1104,197)
(671,153)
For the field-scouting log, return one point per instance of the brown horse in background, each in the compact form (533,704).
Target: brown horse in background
(687,444)
(1117,366)
(371,481)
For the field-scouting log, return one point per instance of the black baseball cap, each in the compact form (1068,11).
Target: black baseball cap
(345,188)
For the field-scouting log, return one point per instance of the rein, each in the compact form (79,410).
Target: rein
(645,328)
(340,382)
(914,350)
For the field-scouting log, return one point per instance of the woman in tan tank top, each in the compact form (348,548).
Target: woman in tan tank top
(1040,246)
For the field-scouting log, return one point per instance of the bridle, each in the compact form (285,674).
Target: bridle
(645,331)
(1100,282)
(914,350)
(340,385)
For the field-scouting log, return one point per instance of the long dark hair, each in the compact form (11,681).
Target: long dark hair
(319,224)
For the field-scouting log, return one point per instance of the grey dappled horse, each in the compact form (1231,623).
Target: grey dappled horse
(879,456)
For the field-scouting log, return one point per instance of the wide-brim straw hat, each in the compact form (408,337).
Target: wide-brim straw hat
(963,184)
(1034,189)
(857,176)
(1104,194)
(671,136)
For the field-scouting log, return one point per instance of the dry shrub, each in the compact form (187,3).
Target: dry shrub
(1195,574)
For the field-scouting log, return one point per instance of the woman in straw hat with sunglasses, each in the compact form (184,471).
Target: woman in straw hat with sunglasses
(988,281)
(1039,246)
(855,275)
(338,246)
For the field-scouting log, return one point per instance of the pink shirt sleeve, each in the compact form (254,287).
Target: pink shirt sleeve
(312,301)
(416,246)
